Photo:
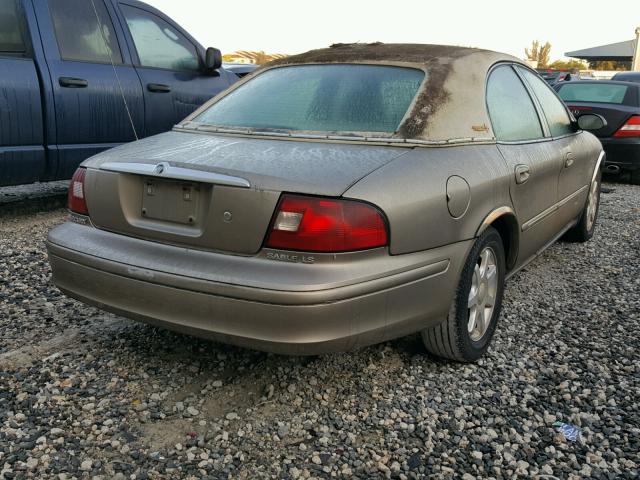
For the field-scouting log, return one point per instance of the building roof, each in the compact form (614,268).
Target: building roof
(450,104)
(621,51)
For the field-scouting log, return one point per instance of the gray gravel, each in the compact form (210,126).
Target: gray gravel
(84,394)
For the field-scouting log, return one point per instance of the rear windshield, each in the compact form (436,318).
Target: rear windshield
(593,92)
(320,98)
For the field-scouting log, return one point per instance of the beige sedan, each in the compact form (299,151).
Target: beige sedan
(336,199)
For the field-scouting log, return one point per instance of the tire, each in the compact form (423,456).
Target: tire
(452,339)
(584,229)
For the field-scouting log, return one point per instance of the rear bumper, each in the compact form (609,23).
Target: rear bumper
(257,302)
(622,152)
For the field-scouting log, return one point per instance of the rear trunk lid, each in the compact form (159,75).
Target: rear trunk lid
(615,115)
(216,192)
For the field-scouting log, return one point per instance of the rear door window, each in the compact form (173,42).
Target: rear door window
(85,33)
(11,40)
(554,110)
(159,45)
(513,115)
(593,92)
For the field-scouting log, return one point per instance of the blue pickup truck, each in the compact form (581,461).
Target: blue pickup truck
(80,76)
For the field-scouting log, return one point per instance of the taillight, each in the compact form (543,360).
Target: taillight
(77,201)
(629,129)
(312,224)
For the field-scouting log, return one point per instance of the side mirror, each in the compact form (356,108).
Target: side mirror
(591,121)
(212,60)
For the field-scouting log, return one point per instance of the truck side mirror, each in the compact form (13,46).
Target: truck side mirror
(212,60)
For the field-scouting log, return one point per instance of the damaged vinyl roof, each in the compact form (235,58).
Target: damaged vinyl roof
(450,104)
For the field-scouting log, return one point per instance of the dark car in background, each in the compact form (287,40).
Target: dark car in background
(619,103)
(627,77)
(553,77)
(80,76)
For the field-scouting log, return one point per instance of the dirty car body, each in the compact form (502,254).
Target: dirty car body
(332,200)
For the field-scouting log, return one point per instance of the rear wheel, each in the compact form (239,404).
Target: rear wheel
(585,227)
(466,333)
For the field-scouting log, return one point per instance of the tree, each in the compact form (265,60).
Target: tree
(569,65)
(539,53)
(610,65)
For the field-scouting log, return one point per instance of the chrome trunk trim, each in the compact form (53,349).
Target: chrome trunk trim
(166,170)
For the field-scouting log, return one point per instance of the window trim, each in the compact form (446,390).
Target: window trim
(538,104)
(136,56)
(112,61)
(25,36)
(543,124)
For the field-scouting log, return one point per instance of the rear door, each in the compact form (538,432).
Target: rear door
(97,93)
(168,61)
(578,157)
(22,155)
(533,160)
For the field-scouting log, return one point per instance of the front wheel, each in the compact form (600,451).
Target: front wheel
(466,333)
(583,230)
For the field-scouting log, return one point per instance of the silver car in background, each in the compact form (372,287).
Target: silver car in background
(336,199)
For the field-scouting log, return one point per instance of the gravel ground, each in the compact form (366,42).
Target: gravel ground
(84,394)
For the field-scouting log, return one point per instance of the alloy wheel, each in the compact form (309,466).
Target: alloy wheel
(482,295)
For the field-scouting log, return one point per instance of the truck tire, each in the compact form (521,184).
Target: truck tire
(467,331)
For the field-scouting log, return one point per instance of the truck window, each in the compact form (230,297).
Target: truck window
(158,44)
(10,35)
(80,36)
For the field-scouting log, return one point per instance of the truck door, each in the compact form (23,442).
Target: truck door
(168,62)
(22,155)
(92,76)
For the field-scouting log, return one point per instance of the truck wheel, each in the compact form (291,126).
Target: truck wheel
(583,230)
(466,333)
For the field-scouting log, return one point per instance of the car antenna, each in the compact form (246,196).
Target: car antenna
(113,65)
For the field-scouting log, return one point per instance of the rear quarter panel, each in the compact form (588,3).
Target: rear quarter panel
(412,191)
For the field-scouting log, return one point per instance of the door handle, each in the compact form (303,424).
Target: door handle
(568,160)
(523,172)
(158,87)
(69,82)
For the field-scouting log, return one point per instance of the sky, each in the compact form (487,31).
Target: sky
(294,26)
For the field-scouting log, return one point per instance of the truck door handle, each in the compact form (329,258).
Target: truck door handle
(523,172)
(568,160)
(158,87)
(69,82)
